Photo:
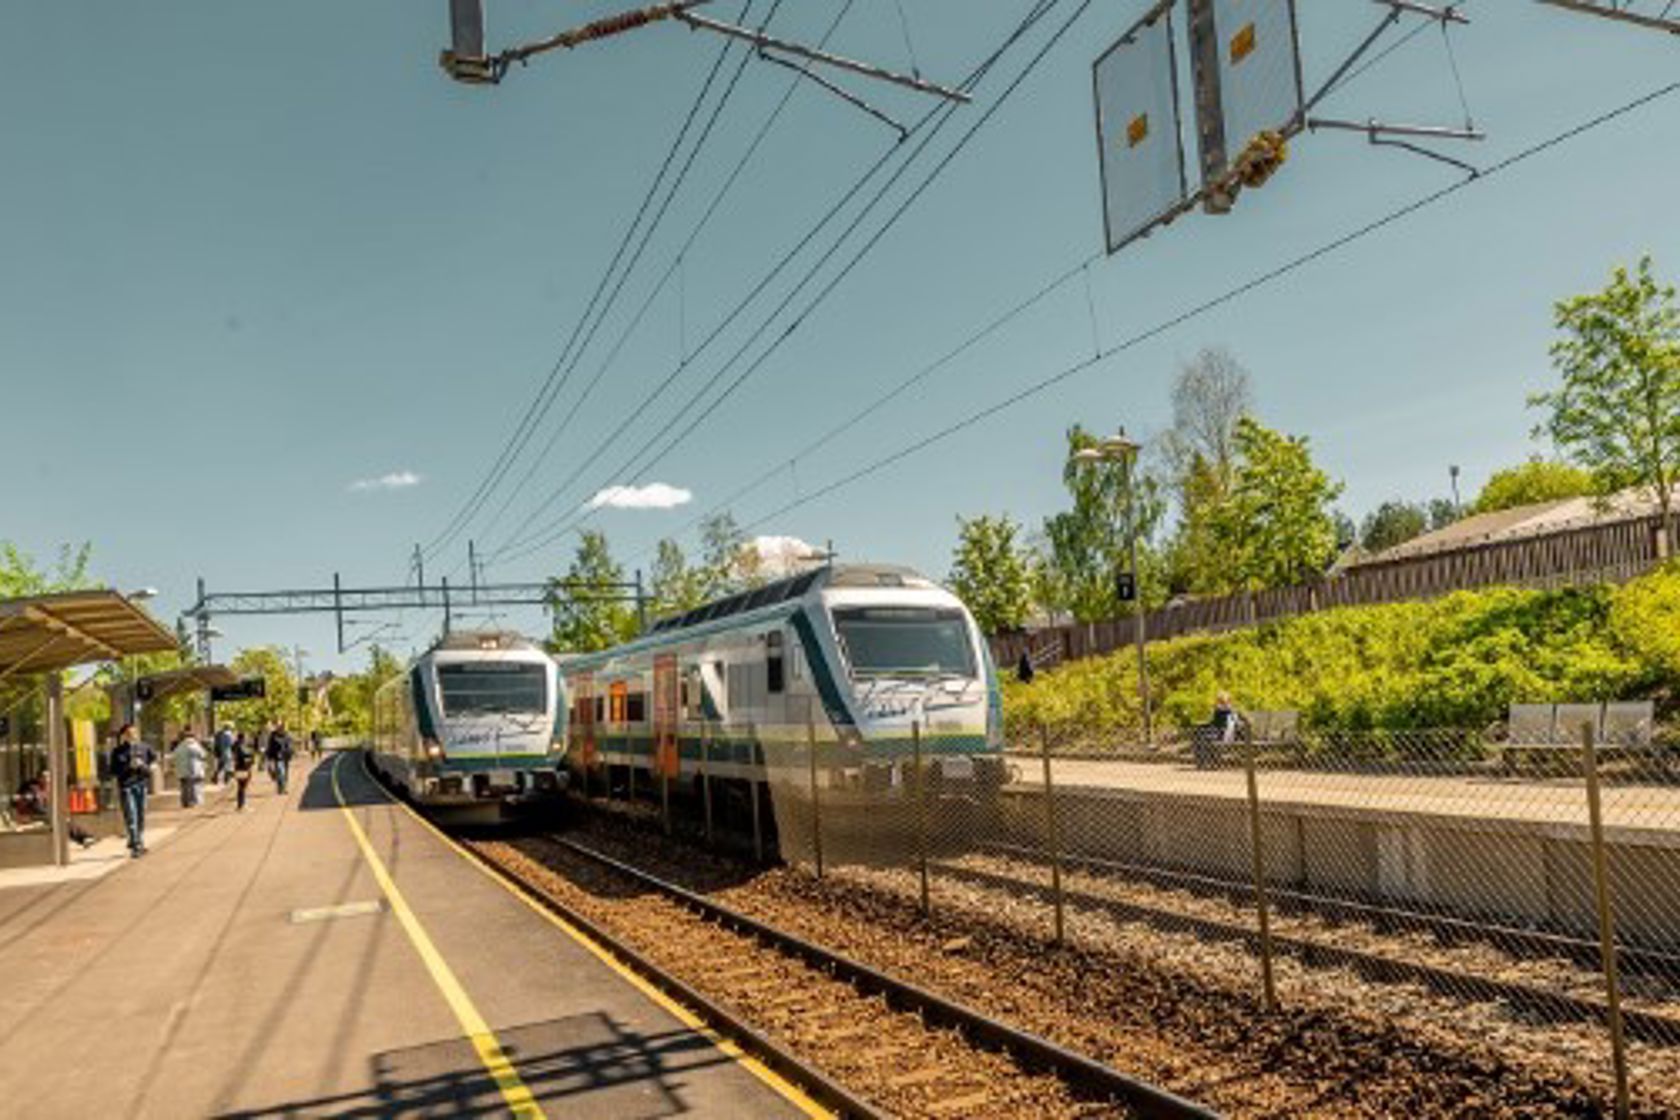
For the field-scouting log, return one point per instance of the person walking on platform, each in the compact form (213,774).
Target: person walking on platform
(315,741)
(243,759)
(280,755)
(224,753)
(189,758)
(131,766)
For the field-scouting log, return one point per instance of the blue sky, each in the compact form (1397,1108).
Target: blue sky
(257,253)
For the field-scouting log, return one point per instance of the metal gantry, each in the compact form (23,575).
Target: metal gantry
(340,601)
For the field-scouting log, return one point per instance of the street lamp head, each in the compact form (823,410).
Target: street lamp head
(1087,455)
(1119,447)
(141,594)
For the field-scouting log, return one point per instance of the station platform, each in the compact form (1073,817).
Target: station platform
(328,953)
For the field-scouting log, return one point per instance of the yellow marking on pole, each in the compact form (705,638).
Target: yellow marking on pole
(790,1092)
(478,1032)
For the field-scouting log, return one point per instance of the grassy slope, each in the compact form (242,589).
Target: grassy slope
(1452,662)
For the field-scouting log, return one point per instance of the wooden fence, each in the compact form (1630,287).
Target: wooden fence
(1607,551)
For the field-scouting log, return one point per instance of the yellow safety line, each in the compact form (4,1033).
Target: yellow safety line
(478,1032)
(792,1093)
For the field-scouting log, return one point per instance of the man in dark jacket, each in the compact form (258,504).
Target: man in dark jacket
(131,766)
(279,755)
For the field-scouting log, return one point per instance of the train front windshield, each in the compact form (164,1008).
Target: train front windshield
(485,688)
(905,641)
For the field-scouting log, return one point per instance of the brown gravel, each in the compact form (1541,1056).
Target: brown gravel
(887,1057)
(1179,1011)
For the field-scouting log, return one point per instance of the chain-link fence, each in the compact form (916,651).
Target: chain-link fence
(1520,891)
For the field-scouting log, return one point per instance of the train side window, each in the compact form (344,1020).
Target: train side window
(774,663)
(600,709)
(635,707)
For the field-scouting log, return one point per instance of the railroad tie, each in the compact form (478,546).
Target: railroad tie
(960,1106)
(926,1075)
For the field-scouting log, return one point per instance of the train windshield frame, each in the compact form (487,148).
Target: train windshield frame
(492,688)
(899,641)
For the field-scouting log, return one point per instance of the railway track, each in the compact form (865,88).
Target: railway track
(863,1042)
(1381,917)
(1522,997)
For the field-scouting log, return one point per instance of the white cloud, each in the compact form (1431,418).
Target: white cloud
(783,556)
(395,480)
(655,495)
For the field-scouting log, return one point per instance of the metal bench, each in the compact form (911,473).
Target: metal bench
(1547,737)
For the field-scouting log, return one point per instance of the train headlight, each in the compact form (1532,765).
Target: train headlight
(434,751)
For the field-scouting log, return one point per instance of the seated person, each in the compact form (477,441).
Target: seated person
(33,803)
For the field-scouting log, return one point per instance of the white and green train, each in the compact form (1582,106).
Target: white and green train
(474,722)
(832,680)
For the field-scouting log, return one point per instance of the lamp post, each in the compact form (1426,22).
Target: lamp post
(298,654)
(1120,449)
(1458,506)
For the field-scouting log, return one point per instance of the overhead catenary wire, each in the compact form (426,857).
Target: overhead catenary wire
(554,381)
(1229,295)
(583,396)
(557,528)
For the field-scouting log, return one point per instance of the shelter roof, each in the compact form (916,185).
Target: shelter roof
(45,633)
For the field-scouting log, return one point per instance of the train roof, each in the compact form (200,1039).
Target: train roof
(483,640)
(794,587)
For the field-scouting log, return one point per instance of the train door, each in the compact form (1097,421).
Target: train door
(665,714)
(585,686)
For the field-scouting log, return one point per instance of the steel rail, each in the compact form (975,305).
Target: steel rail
(1646,1025)
(719,1016)
(1147,1100)
(1383,918)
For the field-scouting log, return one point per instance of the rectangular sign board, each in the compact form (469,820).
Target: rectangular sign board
(1246,64)
(1140,142)
(251,688)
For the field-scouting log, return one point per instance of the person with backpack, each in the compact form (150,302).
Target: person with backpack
(131,766)
(224,753)
(279,755)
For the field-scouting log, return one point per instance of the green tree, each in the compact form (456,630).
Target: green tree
(1394,522)
(1538,480)
(351,696)
(20,575)
(1442,512)
(1276,529)
(726,567)
(990,573)
(675,586)
(589,608)
(279,699)
(1618,410)
(1084,547)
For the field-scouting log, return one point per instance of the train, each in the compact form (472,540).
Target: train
(817,688)
(476,723)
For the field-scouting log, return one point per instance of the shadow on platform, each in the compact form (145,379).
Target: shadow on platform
(586,1065)
(353,783)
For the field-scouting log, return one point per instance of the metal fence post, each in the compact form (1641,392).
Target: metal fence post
(1606,921)
(706,780)
(920,810)
(665,800)
(1259,853)
(816,798)
(755,792)
(1052,839)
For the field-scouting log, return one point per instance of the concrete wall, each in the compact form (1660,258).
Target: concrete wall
(1519,872)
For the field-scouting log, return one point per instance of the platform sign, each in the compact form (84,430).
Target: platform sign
(1246,65)
(1139,137)
(251,688)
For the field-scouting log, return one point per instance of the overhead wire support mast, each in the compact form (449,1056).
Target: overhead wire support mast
(466,61)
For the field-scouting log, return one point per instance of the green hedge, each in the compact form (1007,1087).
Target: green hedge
(1451,662)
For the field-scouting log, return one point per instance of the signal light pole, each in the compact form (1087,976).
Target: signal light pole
(1120,449)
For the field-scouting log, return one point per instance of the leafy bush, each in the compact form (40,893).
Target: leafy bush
(1458,661)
